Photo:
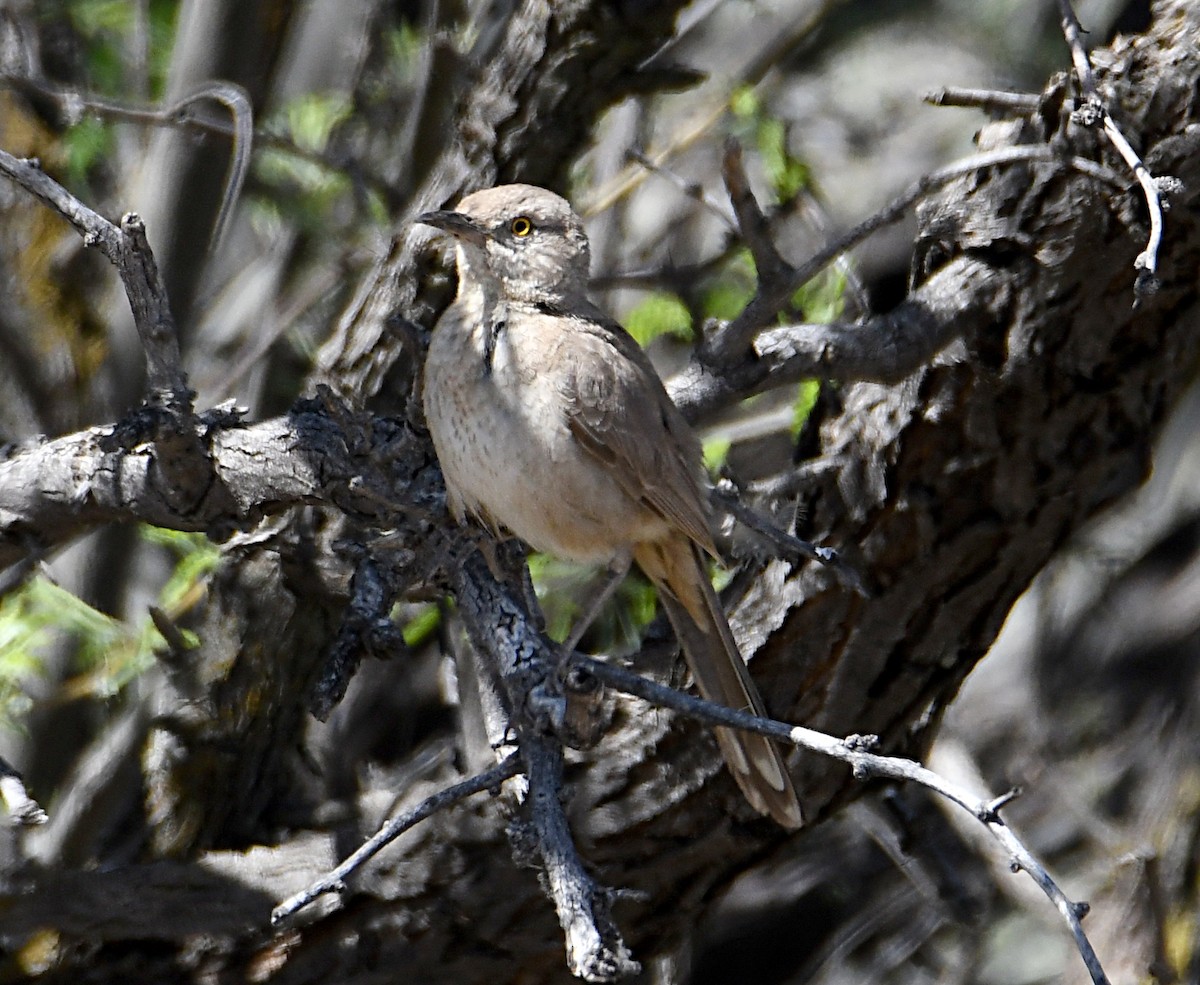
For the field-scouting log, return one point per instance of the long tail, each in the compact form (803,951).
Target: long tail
(677,570)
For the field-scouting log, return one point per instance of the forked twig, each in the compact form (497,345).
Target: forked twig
(1093,112)
(335,879)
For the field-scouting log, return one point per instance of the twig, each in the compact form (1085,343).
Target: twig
(72,103)
(20,806)
(236,100)
(813,212)
(335,880)
(692,189)
(788,546)
(808,19)
(991,100)
(128,250)
(595,950)
(730,344)
(956,300)
(1093,112)
(752,224)
(165,379)
(675,277)
(855,751)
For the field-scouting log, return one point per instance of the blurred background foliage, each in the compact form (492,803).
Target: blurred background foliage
(1089,700)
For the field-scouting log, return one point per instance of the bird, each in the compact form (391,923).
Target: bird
(551,424)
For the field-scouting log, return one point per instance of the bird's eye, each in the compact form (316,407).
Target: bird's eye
(521,226)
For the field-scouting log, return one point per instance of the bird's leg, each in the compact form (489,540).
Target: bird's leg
(617,569)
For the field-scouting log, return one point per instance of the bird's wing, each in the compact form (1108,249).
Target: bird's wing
(619,412)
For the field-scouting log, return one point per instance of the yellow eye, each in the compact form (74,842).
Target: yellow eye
(521,226)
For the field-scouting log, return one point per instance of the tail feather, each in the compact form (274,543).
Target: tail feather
(677,570)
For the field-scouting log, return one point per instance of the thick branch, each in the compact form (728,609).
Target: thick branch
(54,490)
(968,295)
(529,671)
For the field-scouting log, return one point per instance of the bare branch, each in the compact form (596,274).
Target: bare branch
(751,222)
(958,299)
(991,100)
(129,251)
(93,227)
(54,490)
(691,189)
(730,344)
(855,752)
(595,950)
(236,100)
(530,673)
(1094,111)
(239,130)
(786,545)
(335,879)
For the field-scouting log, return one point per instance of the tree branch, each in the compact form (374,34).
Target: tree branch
(127,249)
(530,672)
(334,881)
(730,344)
(1094,111)
(855,752)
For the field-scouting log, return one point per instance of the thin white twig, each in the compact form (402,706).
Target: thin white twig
(1093,112)
(856,752)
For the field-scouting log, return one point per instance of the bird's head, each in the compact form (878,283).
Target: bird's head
(527,241)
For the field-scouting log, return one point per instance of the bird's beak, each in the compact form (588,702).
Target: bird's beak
(454,223)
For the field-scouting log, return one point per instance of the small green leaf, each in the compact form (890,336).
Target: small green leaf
(404,47)
(788,175)
(806,398)
(85,144)
(716,451)
(198,558)
(744,102)
(312,118)
(659,314)
(731,289)
(822,299)
(422,626)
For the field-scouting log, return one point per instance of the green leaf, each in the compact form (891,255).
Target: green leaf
(787,174)
(744,103)
(85,144)
(404,46)
(822,299)
(659,314)
(716,451)
(311,118)
(806,398)
(422,626)
(198,558)
(92,17)
(731,289)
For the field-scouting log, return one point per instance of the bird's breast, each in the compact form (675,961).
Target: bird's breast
(497,412)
